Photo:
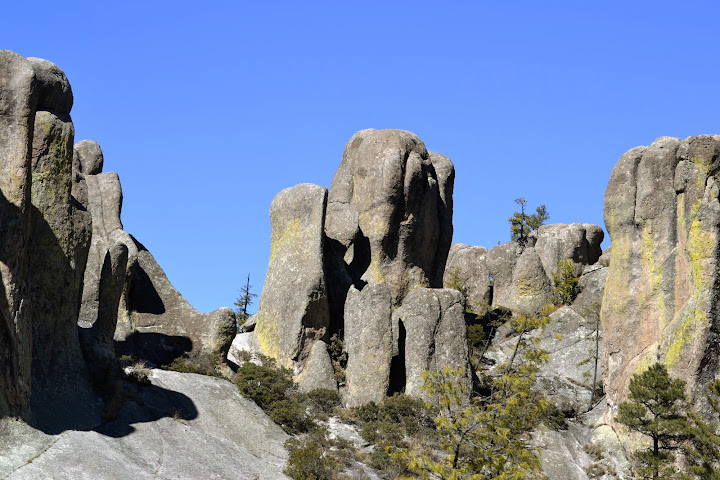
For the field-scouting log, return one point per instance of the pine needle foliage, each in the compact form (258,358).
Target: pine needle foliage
(566,284)
(656,409)
(488,436)
(521,224)
(703,454)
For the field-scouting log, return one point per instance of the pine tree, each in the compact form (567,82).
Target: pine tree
(656,409)
(566,284)
(489,436)
(243,302)
(521,224)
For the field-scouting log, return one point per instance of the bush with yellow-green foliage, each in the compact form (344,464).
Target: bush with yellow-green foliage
(488,437)
(566,284)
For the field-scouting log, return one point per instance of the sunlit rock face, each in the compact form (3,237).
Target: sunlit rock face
(523,275)
(293,310)
(342,261)
(662,213)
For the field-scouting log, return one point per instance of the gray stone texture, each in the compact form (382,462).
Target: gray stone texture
(110,261)
(58,253)
(663,216)
(571,340)
(293,309)
(523,277)
(389,213)
(18,100)
(368,341)
(318,372)
(183,426)
(160,323)
(53,89)
(431,326)
(470,265)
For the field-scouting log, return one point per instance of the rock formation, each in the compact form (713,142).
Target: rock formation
(293,310)
(523,277)
(181,426)
(340,265)
(430,328)
(68,269)
(18,101)
(663,216)
(389,212)
(467,263)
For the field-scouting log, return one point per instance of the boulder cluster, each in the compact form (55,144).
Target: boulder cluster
(359,269)
(77,288)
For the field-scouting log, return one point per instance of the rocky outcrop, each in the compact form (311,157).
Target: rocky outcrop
(572,338)
(45,237)
(293,309)
(126,296)
(663,216)
(180,426)
(318,372)
(430,333)
(66,264)
(523,277)
(111,258)
(467,264)
(368,340)
(342,261)
(389,212)
(160,324)
(59,246)
(18,100)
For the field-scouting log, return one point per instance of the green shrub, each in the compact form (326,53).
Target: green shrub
(323,400)
(264,384)
(310,461)
(291,415)
(566,285)
(201,364)
(316,456)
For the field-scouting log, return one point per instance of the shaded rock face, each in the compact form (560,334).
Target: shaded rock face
(523,277)
(58,252)
(18,100)
(469,265)
(160,324)
(342,261)
(662,213)
(293,309)
(45,238)
(68,269)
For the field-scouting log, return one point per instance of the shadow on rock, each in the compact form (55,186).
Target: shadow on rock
(135,404)
(157,348)
(151,404)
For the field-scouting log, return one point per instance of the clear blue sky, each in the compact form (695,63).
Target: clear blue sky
(208,109)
